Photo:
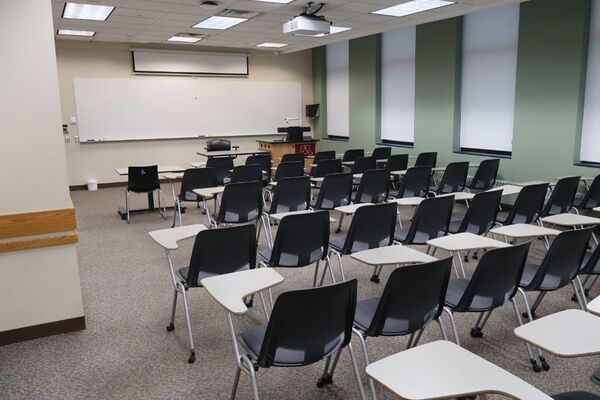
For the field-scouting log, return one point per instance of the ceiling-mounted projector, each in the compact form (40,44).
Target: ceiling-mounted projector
(308,23)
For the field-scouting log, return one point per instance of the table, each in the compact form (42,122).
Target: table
(209,191)
(523,231)
(169,240)
(351,163)
(594,306)
(443,370)
(390,255)
(571,220)
(508,190)
(229,290)
(151,208)
(569,333)
(464,241)
(229,153)
(279,216)
(197,164)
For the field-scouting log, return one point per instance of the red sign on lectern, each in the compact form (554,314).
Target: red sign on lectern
(308,149)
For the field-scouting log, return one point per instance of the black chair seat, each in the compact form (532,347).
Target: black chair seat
(456,289)
(252,339)
(503,217)
(550,282)
(183,274)
(576,396)
(285,260)
(337,242)
(454,226)
(365,310)
(420,237)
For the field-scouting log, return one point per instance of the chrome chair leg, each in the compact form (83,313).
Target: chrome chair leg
(453,324)
(356,373)
(189,326)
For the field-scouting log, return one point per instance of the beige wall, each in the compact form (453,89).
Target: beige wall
(41,285)
(98,160)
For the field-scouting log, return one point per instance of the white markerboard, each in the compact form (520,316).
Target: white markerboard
(143,108)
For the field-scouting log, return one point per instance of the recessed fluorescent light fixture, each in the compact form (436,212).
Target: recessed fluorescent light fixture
(276,1)
(332,30)
(70,32)
(413,7)
(87,11)
(272,45)
(184,39)
(217,22)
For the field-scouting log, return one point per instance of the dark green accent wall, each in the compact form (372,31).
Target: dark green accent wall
(551,64)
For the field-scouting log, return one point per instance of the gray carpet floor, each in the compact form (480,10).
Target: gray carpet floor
(126,352)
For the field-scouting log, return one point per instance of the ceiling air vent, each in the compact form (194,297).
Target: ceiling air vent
(237,13)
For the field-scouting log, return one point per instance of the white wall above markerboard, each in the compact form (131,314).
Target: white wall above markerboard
(145,108)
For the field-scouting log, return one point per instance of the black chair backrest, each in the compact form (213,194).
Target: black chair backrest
(352,155)
(324,155)
(246,173)
(413,296)
(562,260)
(313,323)
(326,167)
(291,194)
(415,182)
(528,205)
(397,162)
(241,202)
(373,187)
(381,153)
(196,178)
(222,166)
(363,164)
(495,280)
(301,240)
(289,170)
(428,159)
(264,160)
(591,198)
(221,251)
(218,145)
(431,219)
(292,157)
(454,178)
(335,191)
(142,179)
(562,197)
(372,226)
(485,176)
(481,214)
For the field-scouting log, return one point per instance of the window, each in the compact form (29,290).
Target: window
(338,90)
(398,86)
(489,73)
(590,134)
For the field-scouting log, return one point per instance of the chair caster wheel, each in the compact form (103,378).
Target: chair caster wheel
(574,297)
(192,358)
(170,327)
(587,292)
(375,278)
(466,259)
(249,303)
(545,365)
(525,315)
(338,230)
(327,380)
(536,367)
(476,333)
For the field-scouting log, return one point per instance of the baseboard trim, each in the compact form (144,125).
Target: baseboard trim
(113,185)
(42,330)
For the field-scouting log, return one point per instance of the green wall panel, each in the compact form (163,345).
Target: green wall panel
(551,64)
